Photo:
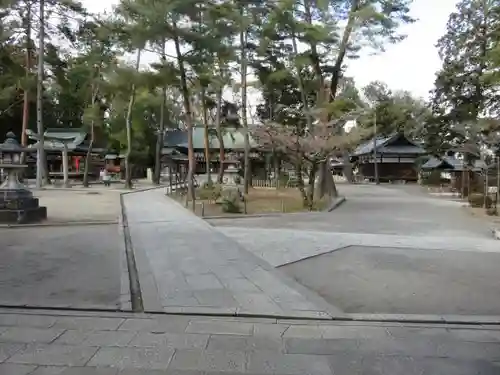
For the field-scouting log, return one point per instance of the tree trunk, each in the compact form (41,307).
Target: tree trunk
(189,119)
(312,182)
(346,36)
(276,168)
(40,160)
(326,185)
(247,172)
(300,184)
(65,166)
(161,130)
(128,124)
(206,137)
(27,25)
(220,136)
(88,156)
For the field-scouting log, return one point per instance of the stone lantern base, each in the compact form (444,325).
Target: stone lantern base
(20,207)
(17,204)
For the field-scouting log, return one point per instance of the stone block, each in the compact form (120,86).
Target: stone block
(171,324)
(220,328)
(171,340)
(204,360)
(12,369)
(87,322)
(30,335)
(90,371)
(269,330)
(288,364)
(148,358)
(25,216)
(8,349)
(27,320)
(53,355)
(49,370)
(319,347)
(244,343)
(95,338)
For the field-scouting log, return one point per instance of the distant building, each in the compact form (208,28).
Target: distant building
(175,149)
(396,156)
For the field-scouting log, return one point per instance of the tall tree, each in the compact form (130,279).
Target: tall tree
(466,86)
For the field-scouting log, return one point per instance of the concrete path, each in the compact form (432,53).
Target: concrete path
(387,250)
(47,343)
(386,209)
(185,265)
(80,267)
(281,246)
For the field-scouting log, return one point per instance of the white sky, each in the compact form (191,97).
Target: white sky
(410,65)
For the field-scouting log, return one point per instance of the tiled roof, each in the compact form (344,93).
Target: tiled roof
(233,139)
(451,163)
(384,146)
(55,136)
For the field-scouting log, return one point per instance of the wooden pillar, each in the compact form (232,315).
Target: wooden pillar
(65,165)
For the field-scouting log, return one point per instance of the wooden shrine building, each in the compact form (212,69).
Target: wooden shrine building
(77,141)
(175,150)
(396,156)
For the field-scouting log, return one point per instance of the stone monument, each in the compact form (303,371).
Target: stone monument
(17,204)
(231,184)
(231,177)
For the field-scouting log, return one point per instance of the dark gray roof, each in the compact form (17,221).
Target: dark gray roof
(233,139)
(384,145)
(54,138)
(451,163)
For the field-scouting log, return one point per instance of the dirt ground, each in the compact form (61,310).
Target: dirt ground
(80,205)
(259,200)
(480,213)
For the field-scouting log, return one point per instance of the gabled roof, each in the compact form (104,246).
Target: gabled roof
(451,163)
(385,145)
(55,138)
(233,139)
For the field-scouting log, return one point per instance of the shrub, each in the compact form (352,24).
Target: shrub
(231,202)
(432,178)
(492,211)
(478,200)
(209,192)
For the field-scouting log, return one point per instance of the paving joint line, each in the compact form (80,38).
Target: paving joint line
(133,275)
(377,318)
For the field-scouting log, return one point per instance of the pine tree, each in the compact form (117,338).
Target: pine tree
(466,86)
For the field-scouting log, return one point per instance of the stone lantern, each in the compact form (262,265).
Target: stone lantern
(231,177)
(17,204)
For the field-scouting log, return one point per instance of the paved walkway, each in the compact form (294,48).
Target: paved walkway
(185,265)
(47,343)
(385,209)
(282,246)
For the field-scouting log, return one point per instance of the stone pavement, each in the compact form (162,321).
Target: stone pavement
(282,246)
(386,210)
(51,343)
(185,265)
(64,266)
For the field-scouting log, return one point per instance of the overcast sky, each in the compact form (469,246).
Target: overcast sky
(409,65)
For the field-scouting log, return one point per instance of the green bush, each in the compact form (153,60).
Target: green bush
(492,211)
(477,200)
(231,202)
(432,178)
(209,192)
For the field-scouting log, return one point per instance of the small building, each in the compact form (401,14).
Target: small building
(78,144)
(455,172)
(175,150)
(396,157)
